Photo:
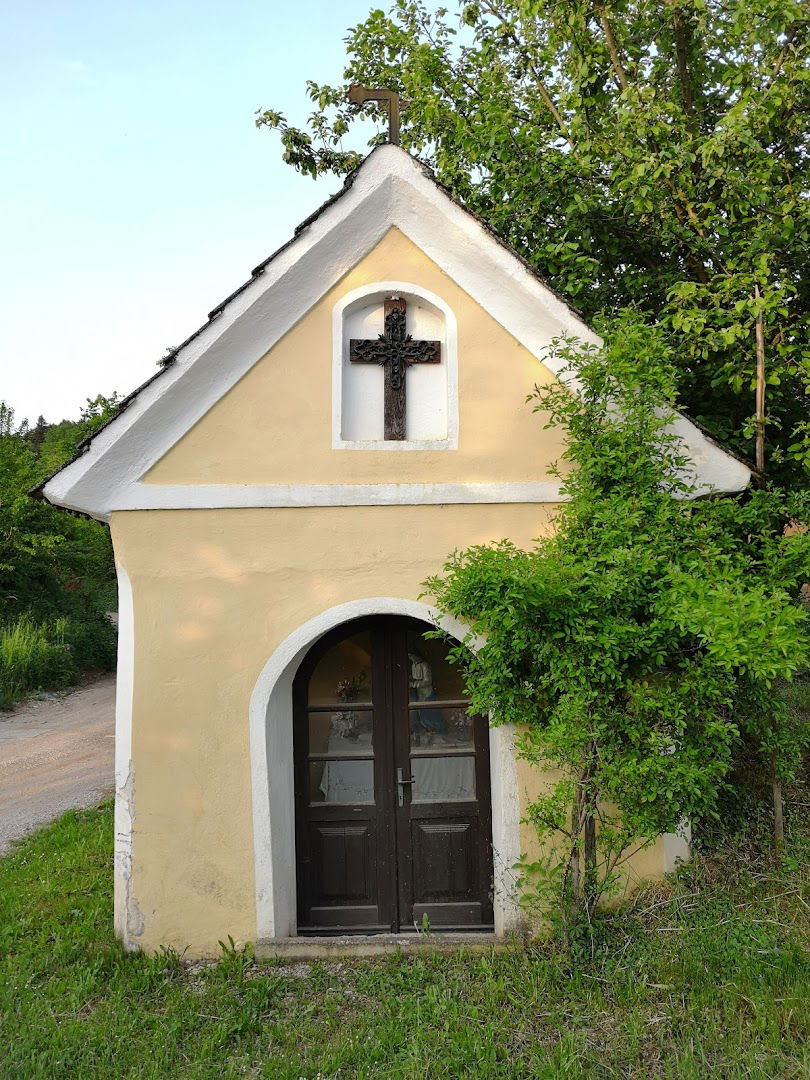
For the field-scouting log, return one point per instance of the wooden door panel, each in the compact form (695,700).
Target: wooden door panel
(344,920)
(449,825)
(344,858)
(342,879)
(459,916)
(339,699)
(443,860)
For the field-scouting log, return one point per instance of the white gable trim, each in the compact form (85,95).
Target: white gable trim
(247,496)
(390,190)
(225,496)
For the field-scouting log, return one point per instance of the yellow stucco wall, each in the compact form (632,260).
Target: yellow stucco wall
(216,591)
(275,425)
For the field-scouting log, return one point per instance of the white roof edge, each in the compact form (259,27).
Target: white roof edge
(390,189)
(715,469)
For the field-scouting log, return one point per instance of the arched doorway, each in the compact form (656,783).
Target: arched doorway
(392,785)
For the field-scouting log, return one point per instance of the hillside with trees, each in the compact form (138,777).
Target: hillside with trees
(57,576)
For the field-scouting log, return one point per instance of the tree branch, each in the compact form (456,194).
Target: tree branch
(681,54)
(783,55)
(546,97)
(613,48)
(760,401)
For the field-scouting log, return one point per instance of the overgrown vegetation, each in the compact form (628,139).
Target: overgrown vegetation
(33,656)
(639,643)
(705,976)
(637,154)
(57,577)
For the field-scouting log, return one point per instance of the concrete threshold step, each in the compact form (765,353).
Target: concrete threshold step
(362,945)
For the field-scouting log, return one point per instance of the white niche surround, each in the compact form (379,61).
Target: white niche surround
(357,389)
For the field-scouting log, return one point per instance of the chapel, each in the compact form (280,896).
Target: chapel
(295,760)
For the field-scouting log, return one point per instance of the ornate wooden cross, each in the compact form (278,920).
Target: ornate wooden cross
(395,351)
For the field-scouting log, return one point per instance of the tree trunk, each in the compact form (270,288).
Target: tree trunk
(572,882)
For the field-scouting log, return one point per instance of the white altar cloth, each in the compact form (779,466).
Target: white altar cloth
(439,778)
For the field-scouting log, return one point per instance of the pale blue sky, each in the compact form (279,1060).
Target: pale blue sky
(135,190)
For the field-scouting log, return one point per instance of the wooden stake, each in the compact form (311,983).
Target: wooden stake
(760,406)
(776,783)
(778,813)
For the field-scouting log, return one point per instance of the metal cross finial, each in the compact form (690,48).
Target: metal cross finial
(358,94)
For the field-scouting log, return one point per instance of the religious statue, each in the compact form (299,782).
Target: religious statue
(427,722)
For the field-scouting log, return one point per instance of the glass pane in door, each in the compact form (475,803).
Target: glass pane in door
(340,732)
(341,781)
(440,729)
(431,676)
(342,676)
(444,779)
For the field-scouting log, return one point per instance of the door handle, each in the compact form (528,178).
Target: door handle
(401,782)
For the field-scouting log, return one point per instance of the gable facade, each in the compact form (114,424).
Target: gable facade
(280,424)
(254,509)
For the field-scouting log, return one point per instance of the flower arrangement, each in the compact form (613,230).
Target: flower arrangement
(348,689)
(346,723)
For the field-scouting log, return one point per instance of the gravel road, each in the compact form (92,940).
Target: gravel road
(55,754)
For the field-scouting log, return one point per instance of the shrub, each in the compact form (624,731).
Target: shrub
(92,639)
(621,646)
(49,655)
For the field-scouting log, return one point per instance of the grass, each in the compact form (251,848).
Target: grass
(707,976)
(33,657)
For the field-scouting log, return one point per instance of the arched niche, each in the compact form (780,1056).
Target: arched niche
(272,774)
(358,389)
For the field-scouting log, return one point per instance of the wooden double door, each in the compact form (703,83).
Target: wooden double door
(393,814)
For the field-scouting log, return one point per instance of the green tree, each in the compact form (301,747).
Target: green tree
(37,433)
(646,153)
(621,644)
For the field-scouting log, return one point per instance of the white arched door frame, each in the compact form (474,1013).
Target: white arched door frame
(271,757)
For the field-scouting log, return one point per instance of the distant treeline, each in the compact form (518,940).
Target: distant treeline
(57,576)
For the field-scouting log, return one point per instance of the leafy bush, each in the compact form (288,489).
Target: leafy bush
(622,645)
(744,804)
(92,640)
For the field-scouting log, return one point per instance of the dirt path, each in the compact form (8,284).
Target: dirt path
(55,755)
